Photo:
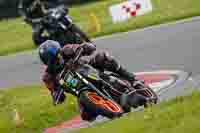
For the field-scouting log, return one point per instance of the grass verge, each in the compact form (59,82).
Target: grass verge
(177,116)
(16,36)
(35,110)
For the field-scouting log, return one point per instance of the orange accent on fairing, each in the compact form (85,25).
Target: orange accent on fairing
(108,104)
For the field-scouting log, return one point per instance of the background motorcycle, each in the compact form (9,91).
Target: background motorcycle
(59,27)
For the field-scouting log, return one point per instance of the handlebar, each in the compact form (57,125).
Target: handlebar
(70,64)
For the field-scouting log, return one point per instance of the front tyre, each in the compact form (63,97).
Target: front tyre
(96,105)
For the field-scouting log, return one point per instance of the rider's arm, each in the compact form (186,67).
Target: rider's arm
(83,35)
(50,82)
(88,49)
(69,51)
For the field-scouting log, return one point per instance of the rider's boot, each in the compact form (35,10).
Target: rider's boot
(136,99)
(135,83)
(126,74)
(132,98)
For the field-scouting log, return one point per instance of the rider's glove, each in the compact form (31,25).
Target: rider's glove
(88,48)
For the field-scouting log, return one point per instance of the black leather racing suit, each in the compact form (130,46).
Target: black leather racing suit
(99,60)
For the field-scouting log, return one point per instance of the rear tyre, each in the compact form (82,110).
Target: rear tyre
(97,105)
(150,94)
(146,91)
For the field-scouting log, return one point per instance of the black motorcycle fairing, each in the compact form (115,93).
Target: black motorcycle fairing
(89,72)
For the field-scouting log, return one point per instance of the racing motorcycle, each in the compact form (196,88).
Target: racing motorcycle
(99,93)
(59,26)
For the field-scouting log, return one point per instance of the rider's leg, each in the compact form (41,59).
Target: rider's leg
(102,60)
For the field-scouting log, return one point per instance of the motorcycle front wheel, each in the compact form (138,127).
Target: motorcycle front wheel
(97,105)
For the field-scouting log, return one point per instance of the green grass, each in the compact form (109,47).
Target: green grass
(16,36)
(177,116)
(35,108)
(34,105)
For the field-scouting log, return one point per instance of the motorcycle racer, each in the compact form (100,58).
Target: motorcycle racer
(55,57)
(34,11)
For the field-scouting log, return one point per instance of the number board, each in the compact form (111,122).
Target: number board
(70,80)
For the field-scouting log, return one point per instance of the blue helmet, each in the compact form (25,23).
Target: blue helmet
(48,51)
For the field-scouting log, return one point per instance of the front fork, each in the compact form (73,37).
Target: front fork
(90,86)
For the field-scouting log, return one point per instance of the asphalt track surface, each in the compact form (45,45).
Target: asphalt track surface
(171,46)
